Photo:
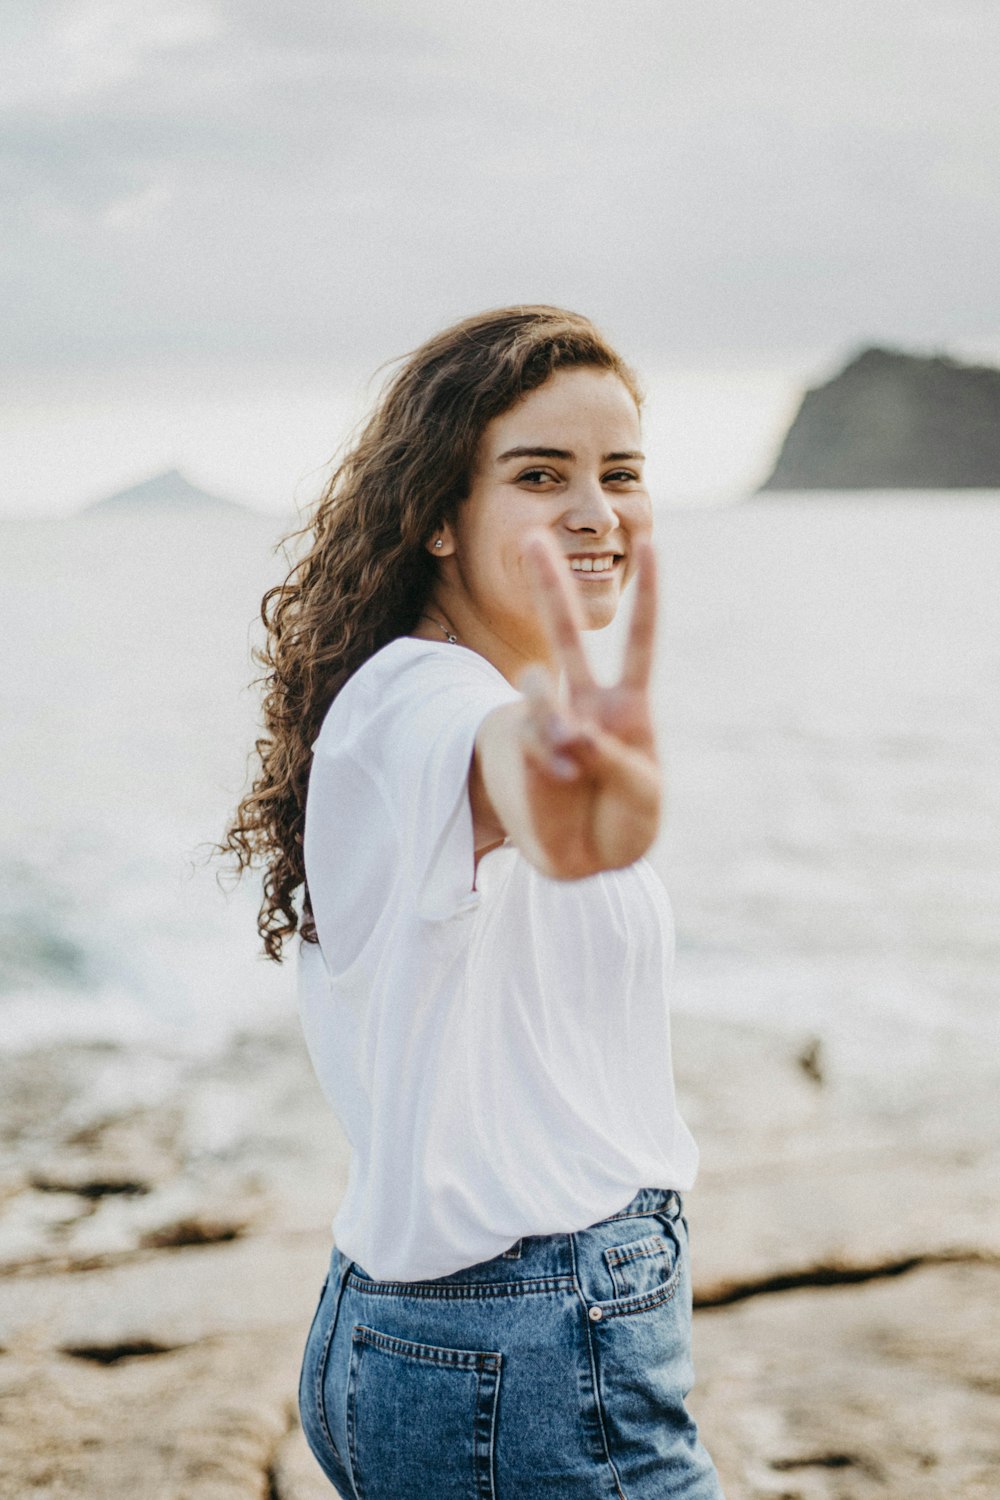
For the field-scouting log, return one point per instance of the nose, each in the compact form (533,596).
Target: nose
(590,509)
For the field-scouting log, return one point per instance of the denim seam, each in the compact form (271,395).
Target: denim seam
(593,1371)
(438,1354)
(620,1255)
(484,1433)
(644,1213)
(487,1365)
(463,1290)
(303,1383)
(324,1358)
(357,1346)
(621,1308)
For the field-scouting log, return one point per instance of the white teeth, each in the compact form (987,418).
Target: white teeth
(591,564)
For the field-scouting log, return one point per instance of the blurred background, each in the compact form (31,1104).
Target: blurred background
(222,218)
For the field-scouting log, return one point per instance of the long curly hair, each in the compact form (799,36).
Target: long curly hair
(366,575)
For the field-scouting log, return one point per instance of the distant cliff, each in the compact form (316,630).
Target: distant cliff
(895,421)
(170,490)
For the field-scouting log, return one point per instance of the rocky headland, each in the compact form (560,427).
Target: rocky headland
(159,1266)
(890,420)
(170,490)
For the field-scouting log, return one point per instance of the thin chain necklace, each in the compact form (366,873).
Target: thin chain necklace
(449,634)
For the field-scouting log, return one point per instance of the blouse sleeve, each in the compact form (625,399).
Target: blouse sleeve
(388,817)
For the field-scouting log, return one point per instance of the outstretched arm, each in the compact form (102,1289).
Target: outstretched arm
(574,783)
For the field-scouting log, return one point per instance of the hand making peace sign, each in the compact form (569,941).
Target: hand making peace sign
(592,780)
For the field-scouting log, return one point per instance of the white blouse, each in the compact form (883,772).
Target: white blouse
(497,1049)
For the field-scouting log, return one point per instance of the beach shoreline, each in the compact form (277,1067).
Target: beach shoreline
(152,1257)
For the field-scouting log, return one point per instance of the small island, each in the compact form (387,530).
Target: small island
(890,421)
(170,490)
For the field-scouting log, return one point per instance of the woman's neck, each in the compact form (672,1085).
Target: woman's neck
(511,651)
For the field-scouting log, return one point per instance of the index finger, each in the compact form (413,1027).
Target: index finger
(559,611)
(639,647)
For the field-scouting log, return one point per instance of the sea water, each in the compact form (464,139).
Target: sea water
(828,705)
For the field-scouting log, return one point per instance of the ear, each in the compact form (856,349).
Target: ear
(445,536)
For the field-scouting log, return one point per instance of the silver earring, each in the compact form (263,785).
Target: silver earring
(439,543)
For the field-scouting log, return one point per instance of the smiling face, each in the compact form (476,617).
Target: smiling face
(566,459)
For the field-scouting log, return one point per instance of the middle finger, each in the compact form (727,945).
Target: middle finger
(560,611)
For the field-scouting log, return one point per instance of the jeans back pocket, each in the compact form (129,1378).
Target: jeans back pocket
(421,1419)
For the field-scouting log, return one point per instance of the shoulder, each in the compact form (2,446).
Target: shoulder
(409,676)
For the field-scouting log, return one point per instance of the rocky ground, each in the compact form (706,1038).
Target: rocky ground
(160,1261)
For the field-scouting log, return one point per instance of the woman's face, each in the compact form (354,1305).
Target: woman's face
(567,460)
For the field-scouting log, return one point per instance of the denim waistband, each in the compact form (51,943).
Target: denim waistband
(541,1259)
(651,1201)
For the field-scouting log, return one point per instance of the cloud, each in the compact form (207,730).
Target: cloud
(229,181)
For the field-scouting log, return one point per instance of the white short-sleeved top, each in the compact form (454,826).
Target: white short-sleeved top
(496,1047)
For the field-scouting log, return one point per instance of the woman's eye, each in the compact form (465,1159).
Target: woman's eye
(535,476)
(621,476)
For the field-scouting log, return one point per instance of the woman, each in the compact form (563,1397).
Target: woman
(485,955)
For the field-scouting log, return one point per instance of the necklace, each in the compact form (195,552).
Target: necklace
(449,634)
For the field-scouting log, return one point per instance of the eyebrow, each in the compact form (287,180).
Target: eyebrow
(564,453)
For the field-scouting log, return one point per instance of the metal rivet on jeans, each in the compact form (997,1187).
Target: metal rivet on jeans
(596,1314)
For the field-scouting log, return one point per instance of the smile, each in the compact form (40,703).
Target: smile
(602,565)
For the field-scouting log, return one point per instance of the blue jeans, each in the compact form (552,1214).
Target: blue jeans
(555,1371)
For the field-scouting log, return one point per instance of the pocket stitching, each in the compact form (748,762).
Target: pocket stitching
(466,1359)
(665,1292)
(623,1306)
(486,1364)
(637,1249)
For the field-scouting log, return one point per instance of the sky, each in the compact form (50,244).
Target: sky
(223,216)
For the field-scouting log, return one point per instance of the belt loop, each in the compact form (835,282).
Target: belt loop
(669,1213)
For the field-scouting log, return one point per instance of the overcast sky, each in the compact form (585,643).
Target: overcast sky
(222,215)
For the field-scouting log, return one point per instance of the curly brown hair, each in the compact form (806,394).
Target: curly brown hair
(366,575)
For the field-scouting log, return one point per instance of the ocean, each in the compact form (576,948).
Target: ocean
(828,701)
